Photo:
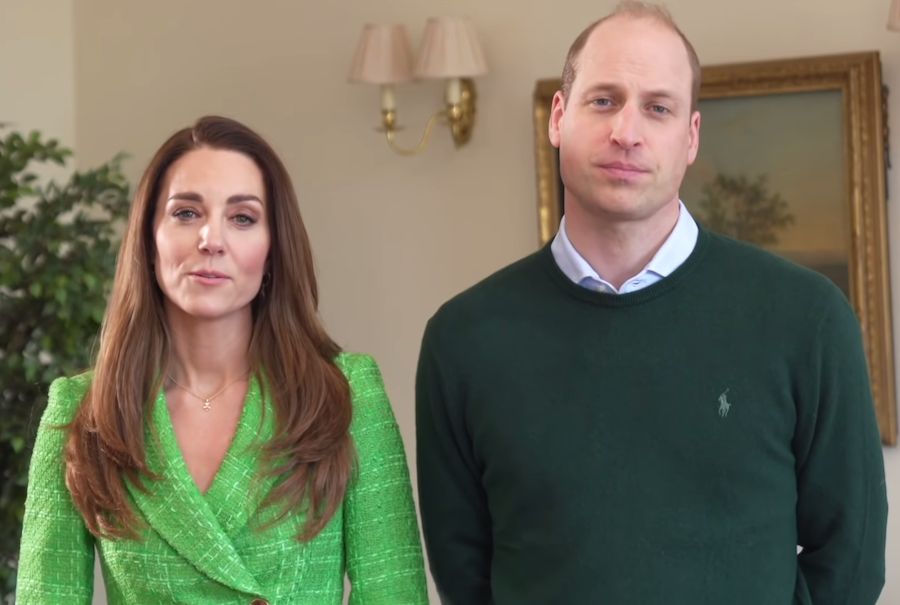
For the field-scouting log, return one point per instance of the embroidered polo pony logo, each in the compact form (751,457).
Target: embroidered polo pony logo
(724,406)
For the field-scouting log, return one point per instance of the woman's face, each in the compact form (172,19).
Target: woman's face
(211,233)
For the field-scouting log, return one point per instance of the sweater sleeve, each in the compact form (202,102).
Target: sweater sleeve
(842,498)
(56,560)
(381,531)
(455,518)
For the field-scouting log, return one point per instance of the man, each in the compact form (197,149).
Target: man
(645,412)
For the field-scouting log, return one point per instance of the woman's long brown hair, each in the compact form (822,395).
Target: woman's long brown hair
(311,451)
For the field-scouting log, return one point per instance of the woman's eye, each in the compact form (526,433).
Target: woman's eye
(185,214)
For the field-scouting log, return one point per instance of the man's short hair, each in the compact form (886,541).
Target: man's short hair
(633,9)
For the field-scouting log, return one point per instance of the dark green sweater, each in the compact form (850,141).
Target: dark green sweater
(670,446)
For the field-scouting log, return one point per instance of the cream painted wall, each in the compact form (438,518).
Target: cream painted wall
(37,70)
(394,236)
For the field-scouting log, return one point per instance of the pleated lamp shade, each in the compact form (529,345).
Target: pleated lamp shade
(450,49)
(383,56)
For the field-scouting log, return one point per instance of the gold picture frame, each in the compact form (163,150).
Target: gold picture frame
(862,151)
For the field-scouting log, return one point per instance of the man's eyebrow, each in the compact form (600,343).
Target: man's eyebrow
(659,93)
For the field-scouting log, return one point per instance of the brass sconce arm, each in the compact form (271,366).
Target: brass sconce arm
(459,116)
(390,129)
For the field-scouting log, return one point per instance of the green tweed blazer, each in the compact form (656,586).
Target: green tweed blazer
(208,548)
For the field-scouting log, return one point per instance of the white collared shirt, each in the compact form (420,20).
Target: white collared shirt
(674,251)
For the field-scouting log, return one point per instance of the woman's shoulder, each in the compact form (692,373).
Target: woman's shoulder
(357,366)
(65,396)
(370,401)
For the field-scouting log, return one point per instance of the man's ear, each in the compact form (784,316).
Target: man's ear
(557,112)
(694,137)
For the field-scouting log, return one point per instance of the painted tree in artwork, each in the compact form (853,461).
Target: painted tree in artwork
(744,209)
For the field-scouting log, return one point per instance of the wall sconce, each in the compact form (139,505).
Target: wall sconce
(894,16)
(449,50)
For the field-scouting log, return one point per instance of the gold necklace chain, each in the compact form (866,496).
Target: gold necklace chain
(206,400)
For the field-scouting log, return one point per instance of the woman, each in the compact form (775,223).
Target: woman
(223,449)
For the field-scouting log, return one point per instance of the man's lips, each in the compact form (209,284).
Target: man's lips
(623,169)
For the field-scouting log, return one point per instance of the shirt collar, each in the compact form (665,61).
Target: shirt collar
(674,251)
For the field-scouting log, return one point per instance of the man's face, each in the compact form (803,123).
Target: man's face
(627,133)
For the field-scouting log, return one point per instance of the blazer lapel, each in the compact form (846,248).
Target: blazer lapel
(179,513)
(237,488)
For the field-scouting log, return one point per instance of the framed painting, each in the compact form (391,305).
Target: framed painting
(792,158)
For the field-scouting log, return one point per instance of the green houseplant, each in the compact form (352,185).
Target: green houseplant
(58,245)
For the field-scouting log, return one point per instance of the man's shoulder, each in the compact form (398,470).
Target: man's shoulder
(758,272)
(493,292)
(748,257)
